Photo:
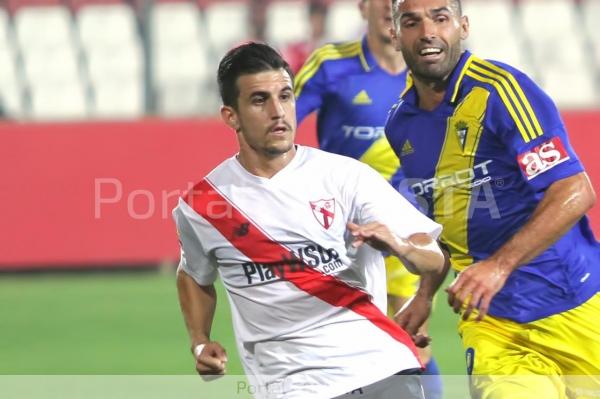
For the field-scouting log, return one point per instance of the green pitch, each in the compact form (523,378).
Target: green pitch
(127,323)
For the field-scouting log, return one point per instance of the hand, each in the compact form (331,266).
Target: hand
(475,287)
(211,360)
(413,316)
(376,234)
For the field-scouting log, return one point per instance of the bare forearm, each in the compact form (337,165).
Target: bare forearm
(564,203)
(198,307)
(420,253)
(430,283)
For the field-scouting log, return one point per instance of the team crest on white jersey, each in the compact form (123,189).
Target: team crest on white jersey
(324,211)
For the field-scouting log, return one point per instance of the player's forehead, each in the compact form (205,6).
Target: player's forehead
(269,81)
(410,7)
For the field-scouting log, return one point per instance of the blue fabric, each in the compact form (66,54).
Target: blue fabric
(522,148)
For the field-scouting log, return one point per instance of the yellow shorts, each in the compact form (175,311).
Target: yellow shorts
(552,358)
(400,282)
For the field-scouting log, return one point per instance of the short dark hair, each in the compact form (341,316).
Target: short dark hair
(457,3)
(246,59)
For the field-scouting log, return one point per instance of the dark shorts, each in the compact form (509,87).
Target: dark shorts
(403,385)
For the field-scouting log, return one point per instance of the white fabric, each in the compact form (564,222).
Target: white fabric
(289,340)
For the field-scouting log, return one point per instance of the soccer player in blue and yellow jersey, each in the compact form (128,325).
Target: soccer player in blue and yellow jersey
(353,86)
(491,160)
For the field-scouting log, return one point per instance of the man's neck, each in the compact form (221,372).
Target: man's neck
(431,94)
(263,165)
(386,55)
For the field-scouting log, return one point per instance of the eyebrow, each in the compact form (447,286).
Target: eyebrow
(261,93)
(440,10)
(264,93)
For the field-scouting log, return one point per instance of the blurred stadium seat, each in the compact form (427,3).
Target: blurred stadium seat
(287,22)
(344,21)
(106,25)
(590,11)
(494,21)
(163,54)
(50,60)
(10,76)
(60,64)
(227,25)
(180,57)
(570,91)
(42,27)
(54,100)
(558,54)
(118,99)
(114,58)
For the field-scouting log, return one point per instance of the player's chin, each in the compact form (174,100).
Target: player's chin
(279,146)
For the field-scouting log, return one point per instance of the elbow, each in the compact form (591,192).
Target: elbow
(436,264)
(587,194)
(430,258)
(591,197)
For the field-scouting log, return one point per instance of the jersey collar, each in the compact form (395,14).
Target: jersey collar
(366,57)
(456,77)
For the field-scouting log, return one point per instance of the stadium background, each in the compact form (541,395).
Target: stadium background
(110,113)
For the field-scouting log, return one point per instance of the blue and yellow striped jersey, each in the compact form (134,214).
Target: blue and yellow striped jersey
(480,163)
(353,96)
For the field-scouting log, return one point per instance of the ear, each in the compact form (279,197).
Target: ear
(393,34)
(230,117)
(362,6)
(464,27)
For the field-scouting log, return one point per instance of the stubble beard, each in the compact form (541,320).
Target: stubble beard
(435,73)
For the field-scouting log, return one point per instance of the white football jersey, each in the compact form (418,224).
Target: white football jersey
(308,309)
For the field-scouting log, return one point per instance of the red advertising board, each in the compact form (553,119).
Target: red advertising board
(101,194)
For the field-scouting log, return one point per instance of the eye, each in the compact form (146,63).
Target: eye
(258,100)
(441,18)
(409,24)
(285,96)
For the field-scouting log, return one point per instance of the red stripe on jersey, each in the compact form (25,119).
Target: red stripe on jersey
(250,240)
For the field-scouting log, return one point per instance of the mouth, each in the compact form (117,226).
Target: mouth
(280,129)
(431,54)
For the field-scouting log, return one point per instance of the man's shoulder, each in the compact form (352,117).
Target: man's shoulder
(495,74)
(330,160)
(394,112)
(215,177)
(333,56)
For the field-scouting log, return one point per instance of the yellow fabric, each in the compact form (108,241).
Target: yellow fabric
(451,199)
(552,358)
(400,282)
(381,157)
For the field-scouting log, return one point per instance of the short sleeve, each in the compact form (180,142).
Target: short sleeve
(194,261)
(378,201)
(529,123)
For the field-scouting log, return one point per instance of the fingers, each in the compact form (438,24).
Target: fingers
(473,303)
(211,360)
(413,315)
(468,294)
(375,234)
(410,323)
(464,293)
(484,306)
(454,290)
(421,341)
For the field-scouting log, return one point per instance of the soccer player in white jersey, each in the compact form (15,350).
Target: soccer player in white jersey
(296,235)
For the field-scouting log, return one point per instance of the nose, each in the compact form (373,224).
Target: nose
(276,109)
(429,29)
